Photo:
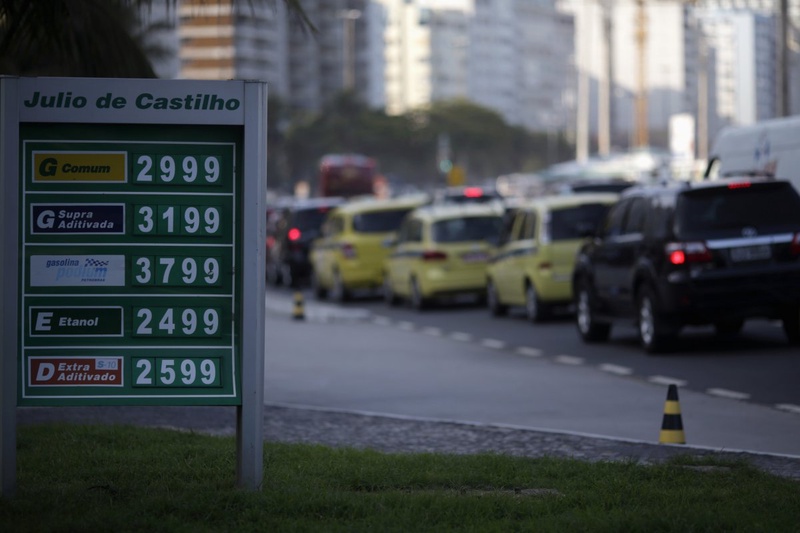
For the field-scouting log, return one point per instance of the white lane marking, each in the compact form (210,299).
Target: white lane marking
(527,351)
(616,369)
(568,360)
(731,394)
(405,325)
(382,321)
(493,343)
(462,337)
(664,380)
(433,332)
(789,407)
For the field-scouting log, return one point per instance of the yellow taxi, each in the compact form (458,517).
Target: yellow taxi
(533,265)
(354,242)
(442,250)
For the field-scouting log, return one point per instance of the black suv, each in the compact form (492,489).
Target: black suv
(289,238)
(711,253)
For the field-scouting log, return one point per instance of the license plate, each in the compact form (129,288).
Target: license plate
(474,257)
(751,253)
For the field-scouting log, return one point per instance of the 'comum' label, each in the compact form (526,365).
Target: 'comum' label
(86,167)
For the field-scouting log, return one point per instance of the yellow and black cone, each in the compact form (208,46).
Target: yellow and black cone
(298,313)
(672,425)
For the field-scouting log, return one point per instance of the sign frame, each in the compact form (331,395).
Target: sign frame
(109,104)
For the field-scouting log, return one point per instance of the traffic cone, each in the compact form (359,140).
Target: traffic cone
(672,425)
(297,311)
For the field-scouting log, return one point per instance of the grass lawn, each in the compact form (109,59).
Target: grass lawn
(124,478)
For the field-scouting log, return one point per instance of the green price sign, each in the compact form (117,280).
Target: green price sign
(144,223)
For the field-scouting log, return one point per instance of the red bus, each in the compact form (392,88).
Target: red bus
(346,175)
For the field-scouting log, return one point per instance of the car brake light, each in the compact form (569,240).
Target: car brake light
(681,253)
(473,192)
(270,242)
(294,234)
(739,185)
(348,251)
(795,246)
(433,255)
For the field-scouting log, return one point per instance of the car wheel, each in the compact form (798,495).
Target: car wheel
(418,302)
(339,293)
(791,326)
(272,275)
(320,292)
(534,308)
(287,276)
(389,295)
(493,300)
(728,328)
(589,328)
(655,335)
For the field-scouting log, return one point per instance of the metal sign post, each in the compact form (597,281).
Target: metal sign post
(138,222)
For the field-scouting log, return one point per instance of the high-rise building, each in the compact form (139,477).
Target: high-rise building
(226,39)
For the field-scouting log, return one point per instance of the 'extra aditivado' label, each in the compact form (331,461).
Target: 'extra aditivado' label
(86,219)
(45,371)
(77,271)
(103,321)
(86,167)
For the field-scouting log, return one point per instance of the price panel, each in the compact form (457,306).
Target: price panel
(130,239)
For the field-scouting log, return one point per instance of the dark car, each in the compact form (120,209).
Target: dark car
(289,239)
(714,253)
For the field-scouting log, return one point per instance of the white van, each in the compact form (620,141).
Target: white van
(769,148)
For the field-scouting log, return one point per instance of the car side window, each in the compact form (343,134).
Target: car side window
(410,231)
(529,228)
(614,220)
(634,222)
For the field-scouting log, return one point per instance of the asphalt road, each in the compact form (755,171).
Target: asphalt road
(458,364)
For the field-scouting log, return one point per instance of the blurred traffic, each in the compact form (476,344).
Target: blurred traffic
(658,251)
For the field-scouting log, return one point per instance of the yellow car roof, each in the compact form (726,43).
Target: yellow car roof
(362,205)
(558,201)
(439,211)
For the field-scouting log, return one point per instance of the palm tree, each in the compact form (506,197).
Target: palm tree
(84,38)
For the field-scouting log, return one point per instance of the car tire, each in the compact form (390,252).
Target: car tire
(338,292)
(273,278)
(418,302)
(589,329)
(287,277)
(493,300)
(655,334)
(791,326)
(535,310)
(389,295)
(320,292)
(728,328)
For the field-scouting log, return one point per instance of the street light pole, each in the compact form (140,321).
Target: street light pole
(349,17)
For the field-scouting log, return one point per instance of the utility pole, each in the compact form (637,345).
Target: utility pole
(783,59)
(641,133)
(605,96)
(349,17)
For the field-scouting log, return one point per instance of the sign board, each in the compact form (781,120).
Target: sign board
(133,205)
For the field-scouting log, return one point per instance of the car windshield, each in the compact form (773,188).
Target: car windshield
(467,229)
(723,212)
(379,221)
(310,219)
(576,222)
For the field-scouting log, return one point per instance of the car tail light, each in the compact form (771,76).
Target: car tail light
(433,255)
(473,192)
(348,250)
(795,246)
(270,242)
(739,185)
(294,234)
(682,253)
